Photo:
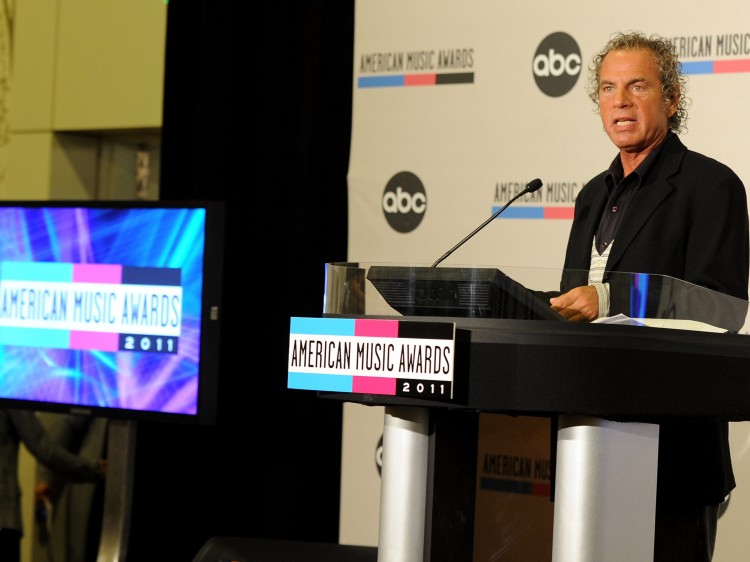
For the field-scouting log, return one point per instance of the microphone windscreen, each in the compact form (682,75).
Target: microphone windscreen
(533,185)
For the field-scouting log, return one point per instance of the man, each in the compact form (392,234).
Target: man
(663,209)
(71,529)
(18,426)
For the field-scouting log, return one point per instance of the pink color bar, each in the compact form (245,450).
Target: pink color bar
(558,212)
(374,385)
(724,66)
(94,340)
(419,80)
(376,328)
(97,273)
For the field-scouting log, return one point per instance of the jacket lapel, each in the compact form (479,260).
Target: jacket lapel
(649,196)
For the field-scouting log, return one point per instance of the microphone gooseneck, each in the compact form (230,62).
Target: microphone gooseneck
(531,187)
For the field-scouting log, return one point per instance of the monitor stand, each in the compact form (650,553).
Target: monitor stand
(118,491)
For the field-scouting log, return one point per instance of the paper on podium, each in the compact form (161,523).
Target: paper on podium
(672,323)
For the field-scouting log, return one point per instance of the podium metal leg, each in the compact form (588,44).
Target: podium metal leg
(403,491)
(605,491)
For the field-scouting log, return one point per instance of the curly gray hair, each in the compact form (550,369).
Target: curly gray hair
(673,81)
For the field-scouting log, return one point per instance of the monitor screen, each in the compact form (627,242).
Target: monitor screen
(111,308)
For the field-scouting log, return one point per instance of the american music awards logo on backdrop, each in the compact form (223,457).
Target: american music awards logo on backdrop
(721,51)
(554,200)
(404,202)
(429,67)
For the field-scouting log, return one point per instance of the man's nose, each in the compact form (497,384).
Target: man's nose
(621,97)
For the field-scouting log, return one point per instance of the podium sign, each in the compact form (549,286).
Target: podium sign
(370,356)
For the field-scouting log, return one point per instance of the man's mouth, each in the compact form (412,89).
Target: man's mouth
(623,122)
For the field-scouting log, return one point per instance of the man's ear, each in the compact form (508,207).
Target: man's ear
(673,103)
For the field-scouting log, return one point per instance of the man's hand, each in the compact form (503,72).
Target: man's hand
(577,305)
(42,492)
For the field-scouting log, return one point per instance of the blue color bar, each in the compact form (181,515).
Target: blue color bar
(380,81)
(34,337)
(521,212)
(307,381)
(322,326)
(36,271)
(699,67)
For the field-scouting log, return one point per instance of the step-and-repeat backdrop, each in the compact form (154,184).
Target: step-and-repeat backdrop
(458,105)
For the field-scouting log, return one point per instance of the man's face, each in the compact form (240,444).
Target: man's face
(631,103)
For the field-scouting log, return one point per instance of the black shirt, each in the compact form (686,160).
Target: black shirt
(620,192)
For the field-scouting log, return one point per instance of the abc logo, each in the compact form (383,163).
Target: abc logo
(404,202)
(557,64)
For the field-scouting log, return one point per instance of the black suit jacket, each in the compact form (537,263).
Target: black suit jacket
(688,220)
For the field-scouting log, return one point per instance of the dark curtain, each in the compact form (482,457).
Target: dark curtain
(257,113)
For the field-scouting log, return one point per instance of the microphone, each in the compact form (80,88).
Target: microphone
(531,187)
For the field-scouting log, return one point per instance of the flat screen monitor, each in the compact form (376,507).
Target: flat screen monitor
(111,308)
(458,292)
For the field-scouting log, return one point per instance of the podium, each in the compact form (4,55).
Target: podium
(679,351)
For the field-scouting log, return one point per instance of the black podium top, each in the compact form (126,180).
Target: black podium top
(613,371)
(696,365)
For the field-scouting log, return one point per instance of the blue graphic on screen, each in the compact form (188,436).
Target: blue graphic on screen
(59,343)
